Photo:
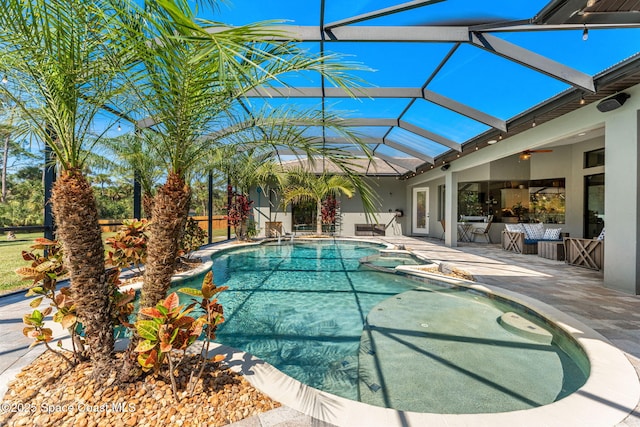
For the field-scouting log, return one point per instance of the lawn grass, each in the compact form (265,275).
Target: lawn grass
(11,257)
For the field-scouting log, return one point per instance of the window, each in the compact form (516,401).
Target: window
(594,158)
(540,200)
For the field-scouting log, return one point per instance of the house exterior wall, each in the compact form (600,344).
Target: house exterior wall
(621,139)
(391,193)
(622,211)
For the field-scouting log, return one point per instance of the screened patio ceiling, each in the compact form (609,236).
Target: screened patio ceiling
(448,77)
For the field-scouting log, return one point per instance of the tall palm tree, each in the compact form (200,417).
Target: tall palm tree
(303,185)
(246,169)
(61,54)
(193,79)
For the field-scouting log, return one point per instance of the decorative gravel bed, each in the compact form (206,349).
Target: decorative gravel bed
(47,393)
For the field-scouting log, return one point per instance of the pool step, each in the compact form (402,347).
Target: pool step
(520,326)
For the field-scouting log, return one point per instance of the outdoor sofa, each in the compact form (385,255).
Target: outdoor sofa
(523,238)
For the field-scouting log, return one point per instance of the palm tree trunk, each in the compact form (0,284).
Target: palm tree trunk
(170,211)
(76,215)
(319,217)
(147,205)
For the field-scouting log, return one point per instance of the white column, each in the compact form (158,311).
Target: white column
(622,201)
(451,209)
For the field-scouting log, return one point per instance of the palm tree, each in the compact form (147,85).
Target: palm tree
(190,83)
(61,55)
(303,185)
(137,155)
(193,80)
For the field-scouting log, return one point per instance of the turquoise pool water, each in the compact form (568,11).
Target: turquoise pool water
(313,312)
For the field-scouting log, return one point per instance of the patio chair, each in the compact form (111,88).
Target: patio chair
(483,230)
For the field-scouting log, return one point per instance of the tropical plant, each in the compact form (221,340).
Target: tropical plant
(64,57)
(213,316)
(304,185)
(45,268)
(167,329)
(329,209)
(192,238)
(129,245)
(247,169)
(238,213)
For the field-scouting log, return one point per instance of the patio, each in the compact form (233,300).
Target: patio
(577,292)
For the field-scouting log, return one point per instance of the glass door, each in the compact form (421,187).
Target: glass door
(594,205)
(420,220)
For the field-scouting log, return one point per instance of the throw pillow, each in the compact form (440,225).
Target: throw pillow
(514,228)
(534,231)
(552,234)
(601,236)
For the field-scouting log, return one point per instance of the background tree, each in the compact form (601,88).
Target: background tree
(25,198)
(137,159)
(303,185)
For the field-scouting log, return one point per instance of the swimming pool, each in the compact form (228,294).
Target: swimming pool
(312,312)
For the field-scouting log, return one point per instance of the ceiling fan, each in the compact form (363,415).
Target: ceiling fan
(526,154)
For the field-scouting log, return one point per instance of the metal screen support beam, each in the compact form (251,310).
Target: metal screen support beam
(429,135)
(464,109)
(49,179)
(137,188)
(137,196)
(408,150)
(532,60)
(210,207)
(365,33)
(383,92)
(229,191)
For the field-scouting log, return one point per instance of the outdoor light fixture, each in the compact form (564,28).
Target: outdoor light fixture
(500,137)
(5,79)
(119,127)
(476,147)
(492,141)
(585,33)
(612,102)
(582,101)
(445,167)
(534,123)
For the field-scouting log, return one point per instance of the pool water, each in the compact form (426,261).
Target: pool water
(314,313)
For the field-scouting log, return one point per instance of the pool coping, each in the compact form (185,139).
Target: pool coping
(609,395)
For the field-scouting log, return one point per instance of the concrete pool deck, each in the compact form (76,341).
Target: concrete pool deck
(573,291)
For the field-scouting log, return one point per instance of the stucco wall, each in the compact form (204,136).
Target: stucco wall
(391,193)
